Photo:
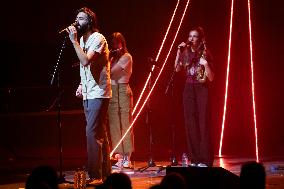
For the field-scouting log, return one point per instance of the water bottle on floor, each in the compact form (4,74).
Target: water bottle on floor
(277,169)
(184,160)
(76,179)
(80,179)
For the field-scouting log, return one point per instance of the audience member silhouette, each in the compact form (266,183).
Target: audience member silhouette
(118,181)
(42,177)
(173,181)
(156,186)
(252,176)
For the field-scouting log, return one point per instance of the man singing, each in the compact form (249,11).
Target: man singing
(92,51)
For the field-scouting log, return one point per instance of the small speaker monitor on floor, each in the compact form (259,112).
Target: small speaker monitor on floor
(206,177)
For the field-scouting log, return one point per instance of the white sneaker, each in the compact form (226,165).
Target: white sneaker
(201,165)
(119,163)
(126,162)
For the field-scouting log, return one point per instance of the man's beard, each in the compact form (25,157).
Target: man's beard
(82,29)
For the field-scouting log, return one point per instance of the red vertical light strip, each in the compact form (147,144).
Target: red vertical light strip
(156,59)
(149,94)
(227,80)
(252,83)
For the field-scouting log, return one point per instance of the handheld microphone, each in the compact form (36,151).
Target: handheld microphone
(187,44)
(152,62)
(65,29)
(115,50)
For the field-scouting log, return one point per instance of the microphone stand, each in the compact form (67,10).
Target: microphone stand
(151,162)
(58,101)
(170,85)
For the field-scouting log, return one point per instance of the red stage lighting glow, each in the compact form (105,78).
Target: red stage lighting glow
(252,83)
(227,79)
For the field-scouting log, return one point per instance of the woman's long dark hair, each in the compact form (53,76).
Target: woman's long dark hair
(115,54)
(201,49)
(200,31)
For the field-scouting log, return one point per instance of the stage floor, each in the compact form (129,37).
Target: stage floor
(153,175)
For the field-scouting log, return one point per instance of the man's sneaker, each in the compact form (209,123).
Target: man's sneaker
(201,165)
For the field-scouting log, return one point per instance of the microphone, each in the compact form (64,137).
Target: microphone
(65,29)
(152,62)
(115,50)
(187,44)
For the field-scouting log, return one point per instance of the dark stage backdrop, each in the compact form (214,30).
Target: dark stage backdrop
(29,46)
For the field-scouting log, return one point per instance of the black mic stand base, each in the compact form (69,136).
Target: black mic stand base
(151,164)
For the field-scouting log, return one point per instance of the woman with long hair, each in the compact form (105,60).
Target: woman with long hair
(121,103)
(194,58)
